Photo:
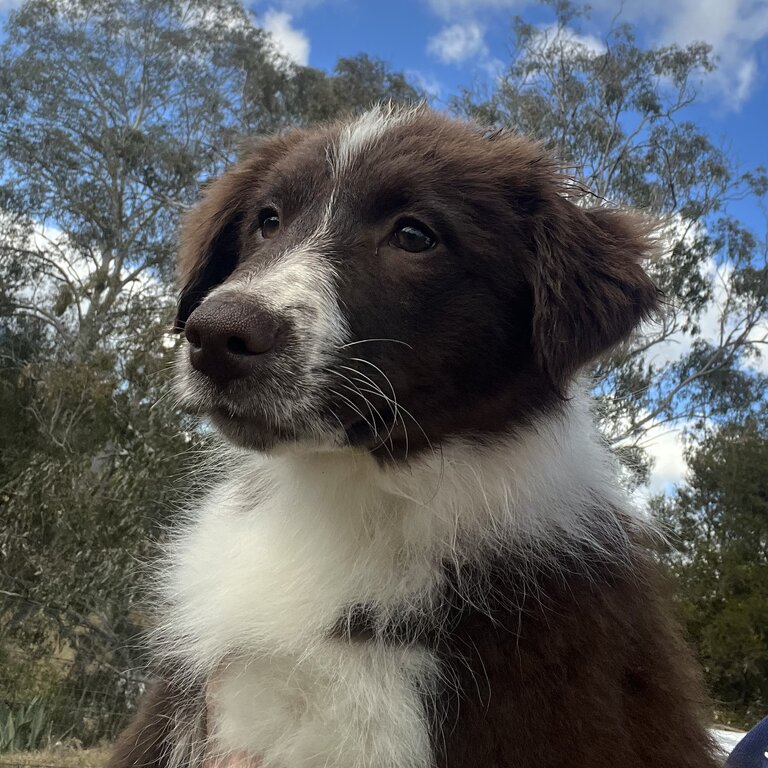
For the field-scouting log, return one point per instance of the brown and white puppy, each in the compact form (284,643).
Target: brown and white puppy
(419,556)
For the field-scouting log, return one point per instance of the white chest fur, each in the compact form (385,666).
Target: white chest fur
(352,706)
(275,556)
(257,583)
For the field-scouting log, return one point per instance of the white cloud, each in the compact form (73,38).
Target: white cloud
(450,9)
(717,322)
(550,36)
(290,42)
(719,22)
(734,28)
(669,469)
(427,83)
(745,78)
(457,43)
(665,446)
(719,318)
(66,284)
(589,43)
(665,449)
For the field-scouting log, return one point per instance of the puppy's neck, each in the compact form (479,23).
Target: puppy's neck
(548,483)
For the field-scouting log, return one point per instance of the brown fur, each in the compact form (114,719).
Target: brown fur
(147,740)
(568,660)
(574,663)
(524,288)
(563,660)
(589,286)
(572,667)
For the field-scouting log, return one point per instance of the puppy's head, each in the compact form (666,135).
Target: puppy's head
(396,280)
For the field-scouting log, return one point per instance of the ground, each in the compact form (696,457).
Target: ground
(56,758)
(97,757)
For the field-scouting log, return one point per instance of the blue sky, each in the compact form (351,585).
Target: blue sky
(445,44)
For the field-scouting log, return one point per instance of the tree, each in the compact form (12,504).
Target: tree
(112,113)
(718,525)
(615,113)
(356,84)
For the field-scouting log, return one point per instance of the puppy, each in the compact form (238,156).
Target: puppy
(419,555)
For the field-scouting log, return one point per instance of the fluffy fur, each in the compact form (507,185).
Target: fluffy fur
(419,557)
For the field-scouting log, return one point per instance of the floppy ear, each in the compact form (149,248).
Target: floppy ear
(210,242)
(590,290)
(210,232)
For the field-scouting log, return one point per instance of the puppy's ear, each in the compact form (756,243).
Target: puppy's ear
(210,242)
(590,290)
(211,231)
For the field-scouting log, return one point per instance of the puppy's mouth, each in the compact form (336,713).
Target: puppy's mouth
(279,424)
(262,414)
(289,400)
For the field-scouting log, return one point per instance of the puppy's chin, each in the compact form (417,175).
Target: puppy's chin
(252,415)
(258,416)
(253,434)
(258,433)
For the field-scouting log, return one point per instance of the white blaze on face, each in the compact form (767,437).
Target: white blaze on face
(298,285)
(362,134)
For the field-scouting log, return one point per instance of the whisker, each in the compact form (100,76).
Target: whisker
(396,408)
(168,395)
(366,341)
(398,411)
(341,423)
(394,402)
(381,393)
(352,388)
(356,390)
(386,378)
(354,408)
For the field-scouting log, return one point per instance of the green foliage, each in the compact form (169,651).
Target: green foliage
(719,526)
(83,702)
(112,113)
(617,117)
(24,727)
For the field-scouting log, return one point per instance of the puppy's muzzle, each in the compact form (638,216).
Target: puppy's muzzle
(231,339)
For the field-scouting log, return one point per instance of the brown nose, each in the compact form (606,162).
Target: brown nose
(228,339)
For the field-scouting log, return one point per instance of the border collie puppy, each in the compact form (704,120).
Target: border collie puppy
(419,556)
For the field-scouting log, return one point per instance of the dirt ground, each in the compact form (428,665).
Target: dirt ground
(56,758)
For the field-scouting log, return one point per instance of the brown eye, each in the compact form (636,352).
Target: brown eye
(413,237)
(269,223)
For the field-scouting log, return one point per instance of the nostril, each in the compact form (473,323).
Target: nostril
(237,346)
(257,339)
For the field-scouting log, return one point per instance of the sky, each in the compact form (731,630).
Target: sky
(446,44)
(443,45)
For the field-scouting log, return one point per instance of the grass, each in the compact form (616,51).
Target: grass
(56,758)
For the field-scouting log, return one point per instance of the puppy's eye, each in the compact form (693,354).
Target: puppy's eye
(269,223)
(412,237)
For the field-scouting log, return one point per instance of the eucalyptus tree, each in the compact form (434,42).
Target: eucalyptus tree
(617,115)
(718,524)
(112,114)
